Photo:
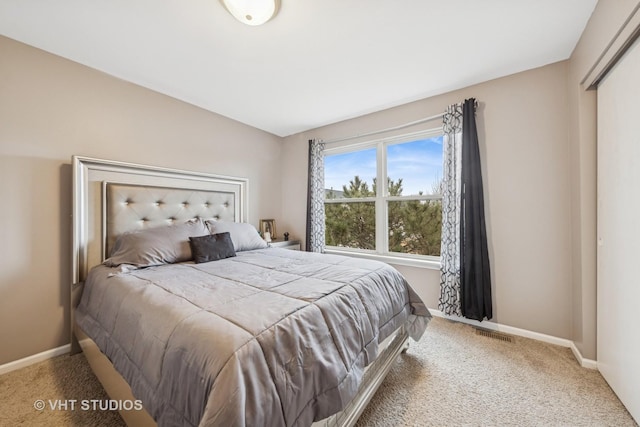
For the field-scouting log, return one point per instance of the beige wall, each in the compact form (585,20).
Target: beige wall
(522,125)
(607,18)
(51,109)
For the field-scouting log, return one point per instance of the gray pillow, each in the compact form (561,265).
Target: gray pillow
(212,247)
(156,246)
(245,237)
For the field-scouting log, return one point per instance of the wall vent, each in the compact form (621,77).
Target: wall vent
(493,334)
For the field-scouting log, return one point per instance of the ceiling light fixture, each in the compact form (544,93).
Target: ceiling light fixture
(252,12)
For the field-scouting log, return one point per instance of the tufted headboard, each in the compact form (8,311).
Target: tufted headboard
(129,207)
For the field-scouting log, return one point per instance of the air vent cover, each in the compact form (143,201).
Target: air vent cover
(493,334)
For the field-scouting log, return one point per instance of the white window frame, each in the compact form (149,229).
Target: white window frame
(381,201)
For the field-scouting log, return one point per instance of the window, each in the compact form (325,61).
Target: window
(385,197)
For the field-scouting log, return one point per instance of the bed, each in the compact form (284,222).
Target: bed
(180,305)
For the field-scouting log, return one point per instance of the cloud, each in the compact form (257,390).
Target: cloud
(341,168)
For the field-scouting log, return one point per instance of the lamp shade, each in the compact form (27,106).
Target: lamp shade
(252,12)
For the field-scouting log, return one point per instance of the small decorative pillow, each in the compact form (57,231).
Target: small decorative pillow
(212,247)
(245,237)
(156,246)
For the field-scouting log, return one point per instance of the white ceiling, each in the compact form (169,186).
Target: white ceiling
(317,62)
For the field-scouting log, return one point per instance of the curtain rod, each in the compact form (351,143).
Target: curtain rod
(346,138)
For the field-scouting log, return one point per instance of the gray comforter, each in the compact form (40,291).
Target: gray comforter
(270,337)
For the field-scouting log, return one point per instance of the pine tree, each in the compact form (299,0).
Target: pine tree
(352,225)
(414,225)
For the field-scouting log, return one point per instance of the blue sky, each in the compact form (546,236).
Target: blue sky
(419,163)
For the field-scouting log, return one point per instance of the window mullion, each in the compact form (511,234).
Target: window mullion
(349,200)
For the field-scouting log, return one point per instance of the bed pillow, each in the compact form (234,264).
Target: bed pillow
(245,237)
(156,246)
(212,247)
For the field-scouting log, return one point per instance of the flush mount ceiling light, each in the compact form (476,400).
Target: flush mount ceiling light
(252,12)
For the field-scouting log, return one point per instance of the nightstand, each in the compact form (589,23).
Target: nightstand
(288,244)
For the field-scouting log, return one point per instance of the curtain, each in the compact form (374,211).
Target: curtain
(449,302)
(315,198)
(465,279)
(475,275)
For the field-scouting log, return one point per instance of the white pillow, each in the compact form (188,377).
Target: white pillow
(244,236)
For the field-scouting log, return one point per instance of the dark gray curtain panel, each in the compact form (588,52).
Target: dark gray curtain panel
(475,275)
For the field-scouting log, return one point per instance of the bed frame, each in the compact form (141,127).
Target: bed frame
(111,197)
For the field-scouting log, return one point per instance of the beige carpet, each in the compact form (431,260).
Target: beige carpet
(455,377)
(452,377)
(62,378)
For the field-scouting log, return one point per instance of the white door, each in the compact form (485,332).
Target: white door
(619,229)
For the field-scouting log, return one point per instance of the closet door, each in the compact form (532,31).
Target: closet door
(619,229)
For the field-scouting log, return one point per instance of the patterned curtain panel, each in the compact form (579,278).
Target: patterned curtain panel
(315,198)
(450,247)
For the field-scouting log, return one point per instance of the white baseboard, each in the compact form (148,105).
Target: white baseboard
(30,360)
(585,363)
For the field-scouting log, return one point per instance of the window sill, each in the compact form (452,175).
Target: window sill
(389,259)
